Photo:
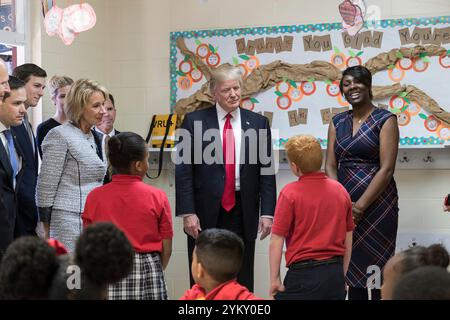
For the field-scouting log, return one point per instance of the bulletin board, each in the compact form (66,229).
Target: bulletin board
(291,74)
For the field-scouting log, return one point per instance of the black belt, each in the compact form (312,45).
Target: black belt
(358,165)
(314,263)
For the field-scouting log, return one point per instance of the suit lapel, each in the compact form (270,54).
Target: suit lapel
(211,119)
(4,159)
(245,125)
(21,159)
(211,122)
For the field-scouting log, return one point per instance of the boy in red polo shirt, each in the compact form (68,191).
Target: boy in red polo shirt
(314,217)
(216,261)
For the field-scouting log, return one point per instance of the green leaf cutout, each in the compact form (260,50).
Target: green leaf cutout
(424,117)
(187,58)
(292,83)
(198,42)
(181,73)
(278,93)
(399,55)
(407,100)
(235,61)
(327,81)
(448,52)
(244,57)
(254,100)
(402,94)
(285,79)
(426,59)
(336,50)
(404,108)
(359,53)
(396,111)
(311,79)
(211,48)
(391,66)
(423,54)
(352,53)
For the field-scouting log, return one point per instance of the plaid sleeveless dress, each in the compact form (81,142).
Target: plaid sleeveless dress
(358,160)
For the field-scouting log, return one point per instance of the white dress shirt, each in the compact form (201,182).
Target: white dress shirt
(236,124)
(111,134)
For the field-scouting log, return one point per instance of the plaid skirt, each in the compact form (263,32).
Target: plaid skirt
(145,282)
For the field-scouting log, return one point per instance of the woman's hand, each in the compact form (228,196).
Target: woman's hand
(357,213)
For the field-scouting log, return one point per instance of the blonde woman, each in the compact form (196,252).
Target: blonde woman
(59,86)
(70,165)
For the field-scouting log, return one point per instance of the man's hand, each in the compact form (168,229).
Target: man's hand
(265,226)
(191,225)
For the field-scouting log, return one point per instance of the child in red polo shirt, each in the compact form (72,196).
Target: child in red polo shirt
(314,217)
(216,261)
(141,211)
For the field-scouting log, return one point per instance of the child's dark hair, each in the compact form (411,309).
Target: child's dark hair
(27,269)
(418,256)
(104,254)
(425,283)
(220,252)
(123,149)
(360,73)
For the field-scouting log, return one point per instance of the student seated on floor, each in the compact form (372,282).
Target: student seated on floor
(103,255)
(216,261)
(27,269)
(424,283)
(409,260)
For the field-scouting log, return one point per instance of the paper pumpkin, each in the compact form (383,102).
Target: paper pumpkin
(82,17)
(52,20)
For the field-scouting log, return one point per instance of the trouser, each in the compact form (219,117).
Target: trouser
(314,280)
(363,294)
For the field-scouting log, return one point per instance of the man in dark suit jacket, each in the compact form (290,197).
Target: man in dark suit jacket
(210,194)
(106,130)
(12,111)
(34,78)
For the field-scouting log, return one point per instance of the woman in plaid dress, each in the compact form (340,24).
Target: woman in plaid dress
(361,154)
(141,211)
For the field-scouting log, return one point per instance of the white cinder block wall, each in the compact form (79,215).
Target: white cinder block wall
(128,51)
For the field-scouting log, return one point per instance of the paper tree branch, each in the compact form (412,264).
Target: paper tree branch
(267,76)
(383,60)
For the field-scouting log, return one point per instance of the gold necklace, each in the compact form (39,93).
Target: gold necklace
(364,117)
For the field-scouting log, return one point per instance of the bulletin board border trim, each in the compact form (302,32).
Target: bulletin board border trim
(306,28)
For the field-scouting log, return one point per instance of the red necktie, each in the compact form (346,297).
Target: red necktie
(229,196)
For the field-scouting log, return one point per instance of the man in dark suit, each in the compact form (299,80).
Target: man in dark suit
(27,218)
(104,131)
(212,189)
(12,111)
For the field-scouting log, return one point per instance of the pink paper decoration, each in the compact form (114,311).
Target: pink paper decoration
(65,32)
(52,20)
(352,13)
(83,17)
(68,23)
